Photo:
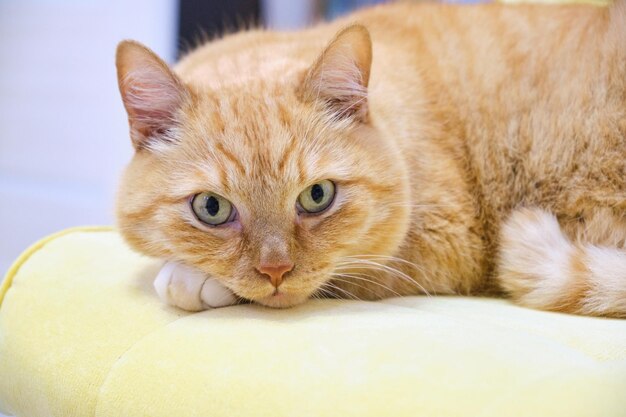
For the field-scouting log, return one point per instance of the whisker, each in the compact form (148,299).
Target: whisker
(393,271)
(392,258)
(336,279)
(366,280)
(418,269)
(346,292)
(421,205)
(325,292)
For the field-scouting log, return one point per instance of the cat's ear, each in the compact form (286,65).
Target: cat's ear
(340,75)
(151,92)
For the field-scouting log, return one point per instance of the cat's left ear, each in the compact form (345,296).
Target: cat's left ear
(340,75)
(151,92)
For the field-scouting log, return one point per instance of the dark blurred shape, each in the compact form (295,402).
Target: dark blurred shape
(205,19)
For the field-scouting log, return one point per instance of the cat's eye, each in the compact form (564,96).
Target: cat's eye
(317,197)
(212,209)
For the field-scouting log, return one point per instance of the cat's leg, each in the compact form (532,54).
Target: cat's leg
(190,289)
(540,266)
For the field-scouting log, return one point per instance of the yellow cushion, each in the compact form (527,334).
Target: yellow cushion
(83,334)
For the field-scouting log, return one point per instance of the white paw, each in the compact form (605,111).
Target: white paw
(187,288)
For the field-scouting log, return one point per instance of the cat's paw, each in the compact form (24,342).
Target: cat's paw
(190,289)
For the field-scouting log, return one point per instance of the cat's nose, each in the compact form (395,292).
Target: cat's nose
(275,272)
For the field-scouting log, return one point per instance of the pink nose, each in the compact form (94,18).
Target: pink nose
(275,272)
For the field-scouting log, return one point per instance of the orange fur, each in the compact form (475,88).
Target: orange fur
(437,123)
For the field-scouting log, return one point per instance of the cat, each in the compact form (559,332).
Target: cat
(404,149)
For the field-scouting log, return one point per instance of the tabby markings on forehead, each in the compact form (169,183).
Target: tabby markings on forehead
(245,68)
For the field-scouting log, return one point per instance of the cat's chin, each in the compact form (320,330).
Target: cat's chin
(282,300)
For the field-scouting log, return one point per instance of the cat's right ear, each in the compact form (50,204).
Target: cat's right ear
(151,92)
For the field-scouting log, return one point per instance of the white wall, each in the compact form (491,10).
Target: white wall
(63,131)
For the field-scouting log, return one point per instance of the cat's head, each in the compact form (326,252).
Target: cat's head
(266,185)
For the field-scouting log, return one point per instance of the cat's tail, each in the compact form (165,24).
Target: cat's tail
(540,267)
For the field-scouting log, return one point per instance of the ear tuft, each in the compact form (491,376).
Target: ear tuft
(340,76)
(151,92)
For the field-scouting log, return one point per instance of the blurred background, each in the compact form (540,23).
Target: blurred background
(63,131)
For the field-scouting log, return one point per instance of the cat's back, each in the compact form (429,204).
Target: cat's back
(531,98)
(420,32)
(539,95)
(534,95)
(469,56)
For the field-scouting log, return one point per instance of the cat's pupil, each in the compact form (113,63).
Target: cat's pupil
(212,206)
(317,193)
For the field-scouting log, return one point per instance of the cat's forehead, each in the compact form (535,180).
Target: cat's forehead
(260,139)
(254,122)
(241,69)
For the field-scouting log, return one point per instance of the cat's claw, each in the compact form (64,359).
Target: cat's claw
(189,289)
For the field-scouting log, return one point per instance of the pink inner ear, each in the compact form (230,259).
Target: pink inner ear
(341,84)
(340,81)
(151,97)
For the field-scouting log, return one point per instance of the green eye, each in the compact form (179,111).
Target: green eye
(212,209)
(317,197)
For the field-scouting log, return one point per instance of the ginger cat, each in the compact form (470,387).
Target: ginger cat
(404,149)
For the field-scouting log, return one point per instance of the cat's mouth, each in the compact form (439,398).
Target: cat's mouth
(282,299)
(294,291)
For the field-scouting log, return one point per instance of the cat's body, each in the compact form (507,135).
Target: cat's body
(478,124)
